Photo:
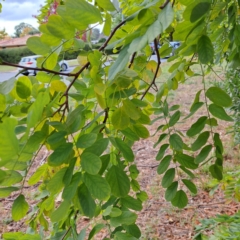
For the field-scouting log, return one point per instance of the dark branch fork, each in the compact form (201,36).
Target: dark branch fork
(65,106)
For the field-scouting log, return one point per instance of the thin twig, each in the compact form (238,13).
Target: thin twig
(157,69)
(132,59)
(165,4)
(38,69)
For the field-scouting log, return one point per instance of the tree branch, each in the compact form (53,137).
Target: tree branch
(165,4)
(157,69)
(132,59)
(38,69)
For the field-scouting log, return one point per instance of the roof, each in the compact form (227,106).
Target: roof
(15,42)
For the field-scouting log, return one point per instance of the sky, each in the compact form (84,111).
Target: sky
(16,11)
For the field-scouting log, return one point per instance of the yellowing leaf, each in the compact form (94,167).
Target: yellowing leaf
(58,86)
(131,110)
(99,88)
(2,103)
(120,119)
(82,60)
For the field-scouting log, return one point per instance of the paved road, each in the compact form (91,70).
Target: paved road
(7,75)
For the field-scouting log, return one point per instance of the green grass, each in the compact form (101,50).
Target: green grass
(7,69)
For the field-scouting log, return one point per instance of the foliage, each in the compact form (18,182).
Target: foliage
(13,55)
(3,34)
(224,227)
(232,86)
(23,29)
(90,124)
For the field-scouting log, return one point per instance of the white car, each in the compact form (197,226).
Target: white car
(31,61)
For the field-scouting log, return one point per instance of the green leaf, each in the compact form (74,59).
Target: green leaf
(194,108)
(61,154)
(36,109)
(141,131)
(9,147)
(115,212)
(95,230)
(216,171)
(86,202)
(86,140)
(188,172)
(219,97)
(5,192)
(197,127)
(199,11)
(218,143)
(164,164)
(19,208)
(130,134)
(106,4)
(190,185)
(61,212)
(120,119)
(2,103)
(38,174)
(133,229)
(55,184)
(98,147)
(203,154)
(50,63)
(70,190)
(118,181)
(125,149)
(161,151)
(7,86)
(11,178)
(133,171)
(59,28)
(174,118)
(123,236)
(161,137)
(200,141)
(171,191)
(21,236)
(37,46)
(126,217)
(69,173)
(120,63)
(219,112)
(180,200)
(3,174)
(186,161)
(97,186)
(91,163)
(105,162)
(176,142)
(107,24)
(168,177)
(131,110)
(205,49)
(132,203)
(81,14)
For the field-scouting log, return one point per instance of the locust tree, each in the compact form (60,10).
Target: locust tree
(90,123)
